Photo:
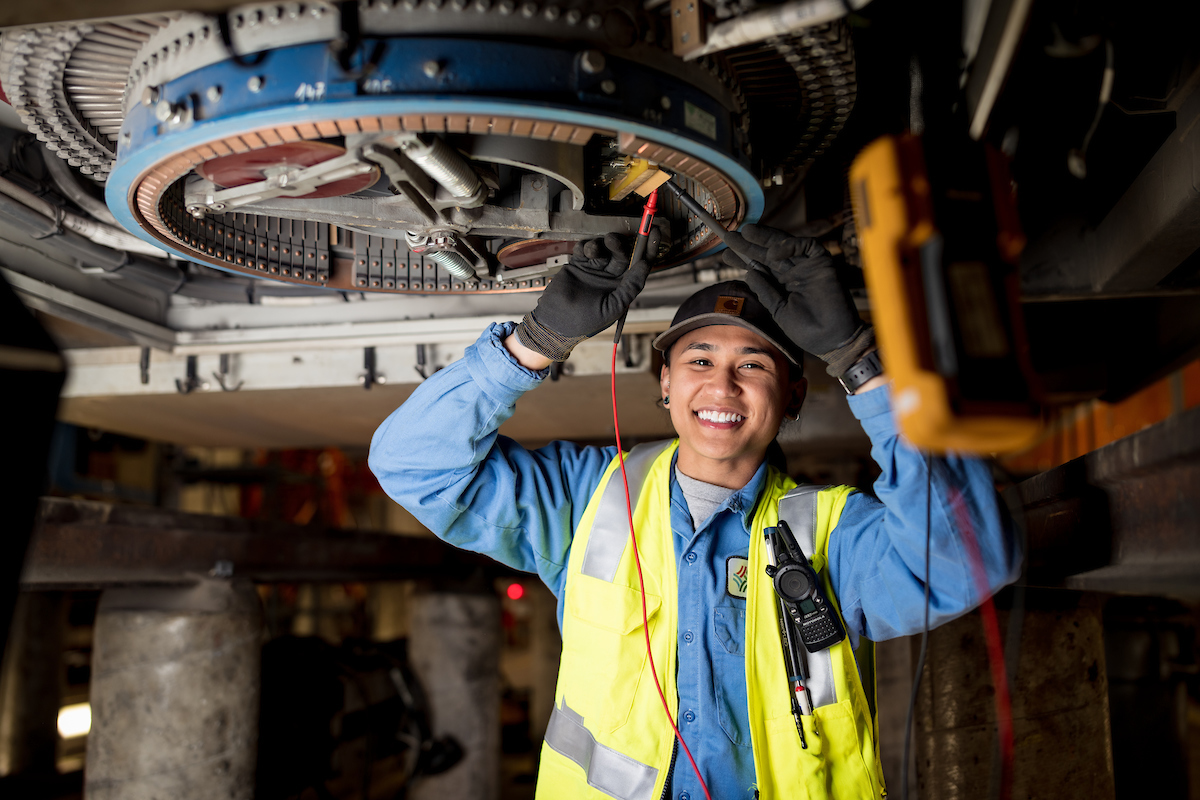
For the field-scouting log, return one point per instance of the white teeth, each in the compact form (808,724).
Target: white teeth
(719,416)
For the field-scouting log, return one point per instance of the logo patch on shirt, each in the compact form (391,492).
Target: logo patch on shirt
(737,576)
(730,305)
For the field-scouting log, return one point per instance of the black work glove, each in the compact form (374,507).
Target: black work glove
(586,296)
(800,288)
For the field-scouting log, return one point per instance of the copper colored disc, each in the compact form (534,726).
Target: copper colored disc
(532,251)
(240,169)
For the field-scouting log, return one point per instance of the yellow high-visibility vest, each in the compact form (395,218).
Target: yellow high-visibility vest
(608,736)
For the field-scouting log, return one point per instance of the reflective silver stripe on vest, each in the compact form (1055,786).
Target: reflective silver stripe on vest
(610,530)
(613,773)
(799,509)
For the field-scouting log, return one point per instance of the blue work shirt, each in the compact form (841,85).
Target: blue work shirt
(484,492)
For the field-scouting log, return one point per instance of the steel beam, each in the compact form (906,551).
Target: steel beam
(115,371)
(1120,519)
(1149,232)
(80,544)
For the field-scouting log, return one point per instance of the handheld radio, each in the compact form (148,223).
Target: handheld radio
(797,585)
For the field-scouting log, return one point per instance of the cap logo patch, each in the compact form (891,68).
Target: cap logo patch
(730,305)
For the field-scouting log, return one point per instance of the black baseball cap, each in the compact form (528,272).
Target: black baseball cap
(728,303)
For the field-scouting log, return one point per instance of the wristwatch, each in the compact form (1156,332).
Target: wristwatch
(867,367)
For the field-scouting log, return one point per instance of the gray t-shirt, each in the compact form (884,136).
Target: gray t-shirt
(703,499)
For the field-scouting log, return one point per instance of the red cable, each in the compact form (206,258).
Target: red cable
(642,584)
(991,629)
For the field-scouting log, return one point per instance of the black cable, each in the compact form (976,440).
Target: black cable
(912,698)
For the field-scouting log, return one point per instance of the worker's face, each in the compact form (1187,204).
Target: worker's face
(729,390)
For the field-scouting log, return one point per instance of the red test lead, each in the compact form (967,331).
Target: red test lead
(639,248)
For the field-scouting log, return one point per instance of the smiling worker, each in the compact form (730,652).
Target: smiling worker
(733,371)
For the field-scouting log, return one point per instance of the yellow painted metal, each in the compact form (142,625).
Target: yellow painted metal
(640,176)
(894,215)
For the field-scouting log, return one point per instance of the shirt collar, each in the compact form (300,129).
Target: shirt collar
(743,501)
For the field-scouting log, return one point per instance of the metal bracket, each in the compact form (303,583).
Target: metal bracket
(144,366)
(192,382)
(224,373)
(687,26)
(203,196)
(369,377)
(420,365)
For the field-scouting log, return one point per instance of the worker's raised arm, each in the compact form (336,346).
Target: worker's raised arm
(877,550)
(439,455)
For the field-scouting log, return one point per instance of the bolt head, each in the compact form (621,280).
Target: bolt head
(381,379)
(591,61)
(255,84)
(431,68)
(594,21)
(149,96)
(665,102)
(213,94)
(163,110)
(608,87)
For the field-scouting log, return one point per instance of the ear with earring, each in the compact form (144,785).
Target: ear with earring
(666,400)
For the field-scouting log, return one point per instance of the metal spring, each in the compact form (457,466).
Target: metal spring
(445,166)
(453,263)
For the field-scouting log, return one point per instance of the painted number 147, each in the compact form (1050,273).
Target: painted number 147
(308,92)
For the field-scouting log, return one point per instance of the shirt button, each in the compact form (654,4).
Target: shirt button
(691,557)
(687,637)
(684,796)
(689,716)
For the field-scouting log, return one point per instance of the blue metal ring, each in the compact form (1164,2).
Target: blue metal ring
(555,90)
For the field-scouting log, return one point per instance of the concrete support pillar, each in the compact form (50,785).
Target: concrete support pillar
(1059,704)
(174,694)
(31,684)
(454,645)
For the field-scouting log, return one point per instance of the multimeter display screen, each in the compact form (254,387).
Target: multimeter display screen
(807,606)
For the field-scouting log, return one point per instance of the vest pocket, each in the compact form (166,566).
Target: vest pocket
(605,649)
(833,764)
(729,674)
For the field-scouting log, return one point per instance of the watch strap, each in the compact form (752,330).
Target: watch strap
(863,370)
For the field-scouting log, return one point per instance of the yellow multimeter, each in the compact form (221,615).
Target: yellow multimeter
(940,239)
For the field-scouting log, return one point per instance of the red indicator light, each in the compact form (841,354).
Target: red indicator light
(515,591)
